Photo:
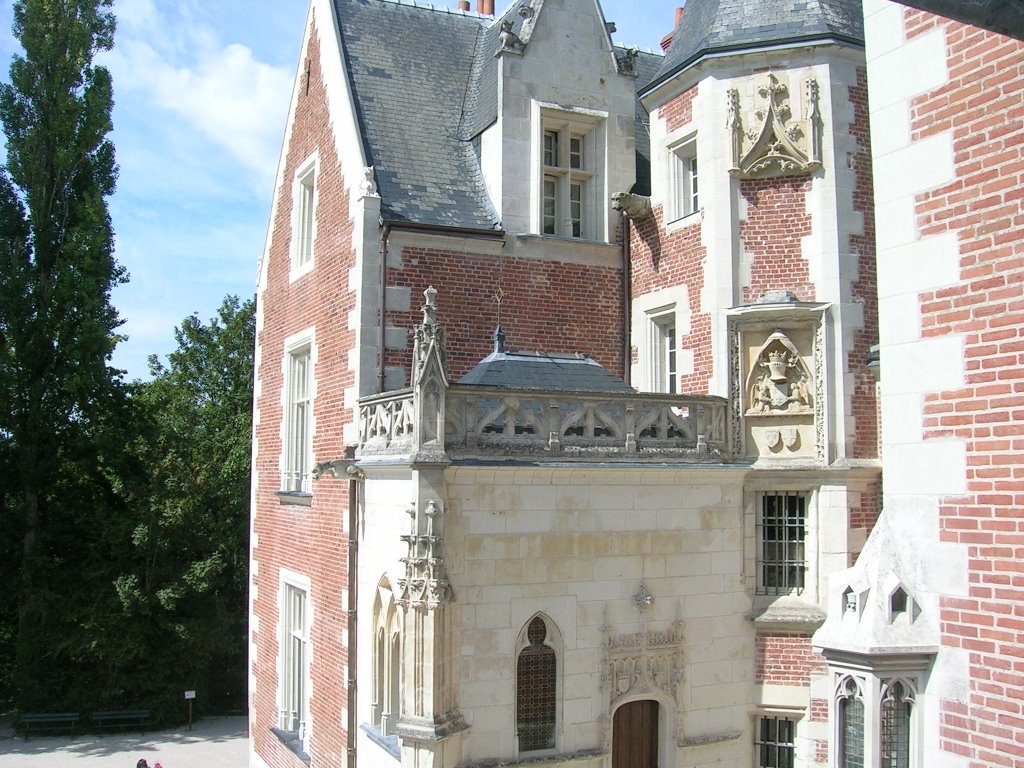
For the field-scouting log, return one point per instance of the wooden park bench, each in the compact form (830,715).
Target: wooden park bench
(120,718)
(48,721)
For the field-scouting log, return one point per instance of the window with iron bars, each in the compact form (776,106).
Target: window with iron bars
(781,535)
(536,701)
(774,745)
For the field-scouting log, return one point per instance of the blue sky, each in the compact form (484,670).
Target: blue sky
(201,95)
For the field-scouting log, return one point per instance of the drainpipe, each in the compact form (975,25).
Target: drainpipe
(627,346)
(353,635)
(385,234)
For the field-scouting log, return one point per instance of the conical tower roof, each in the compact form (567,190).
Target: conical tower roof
(710,27)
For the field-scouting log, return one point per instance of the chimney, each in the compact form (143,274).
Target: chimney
(485,7)
(463,5)
(666,41)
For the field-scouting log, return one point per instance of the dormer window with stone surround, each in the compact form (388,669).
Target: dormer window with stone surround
(570,200)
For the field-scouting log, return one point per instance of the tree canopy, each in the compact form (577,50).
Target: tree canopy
(125,506)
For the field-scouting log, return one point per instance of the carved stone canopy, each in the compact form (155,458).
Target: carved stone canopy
(777,143)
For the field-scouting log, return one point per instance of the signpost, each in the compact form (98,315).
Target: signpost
(189,697)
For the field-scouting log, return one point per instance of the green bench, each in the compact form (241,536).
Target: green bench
(47,721)
(120,718)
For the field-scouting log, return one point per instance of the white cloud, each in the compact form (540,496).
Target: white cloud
(222,91)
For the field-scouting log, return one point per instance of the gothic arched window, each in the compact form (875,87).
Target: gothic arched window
(851,725)
(536,694)
(897,704)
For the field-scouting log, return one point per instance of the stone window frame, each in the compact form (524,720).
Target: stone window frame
(662,331)
(789,760)
(650,314)
(556,182)
(386,652)
(297,460)
(811,594)
(683,178)
(869,679)
(305,197)
(294,691)
(552,640)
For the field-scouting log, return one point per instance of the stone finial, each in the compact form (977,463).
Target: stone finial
(499,340)
(430,308)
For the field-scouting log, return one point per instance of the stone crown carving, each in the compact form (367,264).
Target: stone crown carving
(776,143)
(779,382)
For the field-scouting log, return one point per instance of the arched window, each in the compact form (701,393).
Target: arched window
(536,690)
(851,724)
(897,705)
(387,661)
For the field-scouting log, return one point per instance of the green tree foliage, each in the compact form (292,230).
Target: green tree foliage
(62,406)
(188,586)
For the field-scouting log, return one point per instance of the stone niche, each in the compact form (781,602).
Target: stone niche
(777,387)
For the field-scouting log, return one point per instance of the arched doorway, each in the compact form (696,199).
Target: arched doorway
(635,735)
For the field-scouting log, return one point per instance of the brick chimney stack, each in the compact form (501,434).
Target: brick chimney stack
(666,41)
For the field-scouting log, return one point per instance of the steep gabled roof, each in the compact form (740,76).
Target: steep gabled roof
(409,69)
(719,26)
(425,85)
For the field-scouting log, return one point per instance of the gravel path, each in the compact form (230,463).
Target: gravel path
(215,742)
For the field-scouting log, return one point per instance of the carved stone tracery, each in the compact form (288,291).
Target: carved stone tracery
(776,144)
(425,584)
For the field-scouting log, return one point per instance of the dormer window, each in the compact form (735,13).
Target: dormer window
(570,203)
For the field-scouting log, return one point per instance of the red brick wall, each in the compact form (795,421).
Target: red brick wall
(782,658)
(982,106)
(552,306)
(308,540)
(772,231)
(863,401)
(661,259)
(679,111)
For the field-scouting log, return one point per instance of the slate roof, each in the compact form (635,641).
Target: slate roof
(539,370)
(712,26)
(425,85)
(647,65)
(1003,16)
(409,69)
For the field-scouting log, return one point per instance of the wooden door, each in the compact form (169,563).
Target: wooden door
(635,735)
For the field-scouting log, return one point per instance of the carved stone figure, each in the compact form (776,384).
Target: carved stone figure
(779,382)
(633,206)
(368,187)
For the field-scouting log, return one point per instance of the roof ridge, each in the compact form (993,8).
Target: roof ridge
(431,7)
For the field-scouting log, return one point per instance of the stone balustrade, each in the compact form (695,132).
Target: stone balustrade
(487,422)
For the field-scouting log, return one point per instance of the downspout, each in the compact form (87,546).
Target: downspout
(385,234)
(627,346)
(353,635)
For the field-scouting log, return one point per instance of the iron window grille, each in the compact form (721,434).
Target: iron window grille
(782,534)
(536,691)
(775,743)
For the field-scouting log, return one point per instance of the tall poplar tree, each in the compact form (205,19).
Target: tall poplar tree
(59,396)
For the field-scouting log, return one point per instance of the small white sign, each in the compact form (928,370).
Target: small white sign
(190,694)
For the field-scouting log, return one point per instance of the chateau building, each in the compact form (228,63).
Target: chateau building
(570,434)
